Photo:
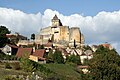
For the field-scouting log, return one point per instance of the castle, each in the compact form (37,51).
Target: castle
(60,35)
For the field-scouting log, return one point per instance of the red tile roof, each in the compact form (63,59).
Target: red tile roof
(106,45)
(83,66)
(39,53)
(13,46)
(65,52)
(22,51)
(10,35)
(48,44)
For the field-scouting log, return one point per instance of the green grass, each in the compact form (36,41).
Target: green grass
(64,72)
(7,72)
(61,71)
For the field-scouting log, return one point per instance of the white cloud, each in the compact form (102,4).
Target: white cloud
(103,27)
(19,21)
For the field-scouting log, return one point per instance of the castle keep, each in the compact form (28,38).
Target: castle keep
(60,35)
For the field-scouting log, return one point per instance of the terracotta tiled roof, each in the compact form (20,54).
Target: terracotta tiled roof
(22,51)
(95,46)
(65,52)
(39,53)
(13,46)
(10,35)
(106,45)
(48,45)
(83,66)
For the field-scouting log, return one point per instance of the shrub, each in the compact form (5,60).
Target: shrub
(16,66)
(7,66)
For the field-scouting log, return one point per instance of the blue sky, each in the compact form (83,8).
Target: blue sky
(66,7)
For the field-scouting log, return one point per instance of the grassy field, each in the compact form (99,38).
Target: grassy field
(7,72)
(64,72)
(59,71)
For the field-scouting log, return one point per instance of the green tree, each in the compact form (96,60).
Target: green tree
(3,38)
(33,36)
(74,43)
(50,56)
(41,47)
(26,64)
(105,65)
(87,47)
(57,57)
(74,59)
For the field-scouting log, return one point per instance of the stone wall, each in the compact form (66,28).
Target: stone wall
(64,33)
(61,34)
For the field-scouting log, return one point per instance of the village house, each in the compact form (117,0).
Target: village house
(83,54)
(9,49)
(105,45)
(94,48)
(38,56)
(24,52)
(48,46)
(30,53)
(15,37)
(84,69)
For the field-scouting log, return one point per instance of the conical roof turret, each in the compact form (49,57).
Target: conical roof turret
(55,17)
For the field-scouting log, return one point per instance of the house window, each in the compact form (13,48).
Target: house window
(8,51)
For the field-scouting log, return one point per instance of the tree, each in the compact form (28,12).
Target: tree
(74,43)
(4,30)
(50,56)
(26,64)
(105,65)
(33,36)
(3,38)
(74,59)
(57,57)
(41,47)
(87,47)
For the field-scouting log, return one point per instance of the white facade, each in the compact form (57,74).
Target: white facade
(7,50)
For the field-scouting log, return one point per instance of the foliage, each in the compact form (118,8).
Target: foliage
(4,30)
(33,36)
(57,57)
(7,65)
(2,55)
(62,72)
(74,59)
(105,65)
(15,66)
(41,47)
(11,78)
(87,47)
(50,56)
(3,38)
(26,64)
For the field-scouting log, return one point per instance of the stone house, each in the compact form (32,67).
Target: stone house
(38,56)
(9,49)
(24,52)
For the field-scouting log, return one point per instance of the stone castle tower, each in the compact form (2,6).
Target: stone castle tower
(60,34)
(55,21)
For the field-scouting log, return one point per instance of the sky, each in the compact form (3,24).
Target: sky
(98,20)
